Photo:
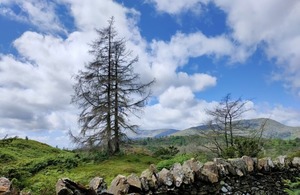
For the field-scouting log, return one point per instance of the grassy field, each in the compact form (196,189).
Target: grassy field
(36,167)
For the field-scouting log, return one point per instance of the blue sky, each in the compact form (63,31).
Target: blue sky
(197,50)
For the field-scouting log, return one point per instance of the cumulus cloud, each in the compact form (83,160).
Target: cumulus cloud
(36,84)
(166,114)
(175,7)
(272,25)
(278,112)
(41,14)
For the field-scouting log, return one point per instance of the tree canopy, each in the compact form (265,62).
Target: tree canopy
(107,90)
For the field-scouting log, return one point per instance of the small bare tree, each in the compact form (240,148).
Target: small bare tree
(226,123)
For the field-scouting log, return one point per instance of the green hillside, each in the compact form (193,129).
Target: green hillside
(36,167)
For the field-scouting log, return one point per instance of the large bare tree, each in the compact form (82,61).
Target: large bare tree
(108,91)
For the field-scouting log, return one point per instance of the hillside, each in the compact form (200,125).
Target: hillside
(36,167)
(20,151)
(156,133)
(272,129)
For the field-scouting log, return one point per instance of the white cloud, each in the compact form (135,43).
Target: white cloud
(184,46)
(41,14)
(197,82)
(272,25)
(285,115)
(181,97)
(36,86)
(167,57)
(178,6)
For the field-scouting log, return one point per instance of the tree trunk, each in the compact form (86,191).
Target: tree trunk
(116,129)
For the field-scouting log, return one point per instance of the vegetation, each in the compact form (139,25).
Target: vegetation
(36,167)
(293,188)
(104,92)
(224,125)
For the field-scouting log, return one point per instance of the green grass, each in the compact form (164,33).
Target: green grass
(36,167)
(44,181)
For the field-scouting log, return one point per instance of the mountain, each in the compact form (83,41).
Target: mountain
(271,129)
(152,133)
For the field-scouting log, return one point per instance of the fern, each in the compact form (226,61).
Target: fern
(293,188)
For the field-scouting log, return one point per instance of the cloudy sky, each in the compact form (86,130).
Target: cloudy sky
(197,50)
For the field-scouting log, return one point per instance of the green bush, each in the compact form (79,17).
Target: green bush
(92,156)
(6,157)
(229,152)
(247,146)
(176,159)
(166,153)
(294,154)
(293,188)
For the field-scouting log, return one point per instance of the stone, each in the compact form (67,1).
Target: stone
(296,162)
(25,193)
(265,164)
(224,189)
(149,178)
(145,185)
(61,188)
(67,187)
(209,172)
(189,175)
(165,177)
(119,185)
(98,185)
(134,182)
(224,166)
(194,165)
(5,186)
(178,174)
(249,163)
(239,166)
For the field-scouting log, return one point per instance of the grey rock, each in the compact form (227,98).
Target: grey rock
(296,162)
(166,177)
(134,182)
(224,166)
(239,166)
(119,185)
(224,189)
(5,186)
(61,188)
(98,185)
(249,163)
(149,178)
(178,174)
(209,172)
(189,174)
(265,164)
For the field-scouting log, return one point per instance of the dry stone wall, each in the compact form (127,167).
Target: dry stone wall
(240,176)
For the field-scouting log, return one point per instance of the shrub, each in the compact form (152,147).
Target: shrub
(166,153)
(169,162)
(229,152)
(293,188)
(247,146)
(5,157)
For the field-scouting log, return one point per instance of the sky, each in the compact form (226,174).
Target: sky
(198,51)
